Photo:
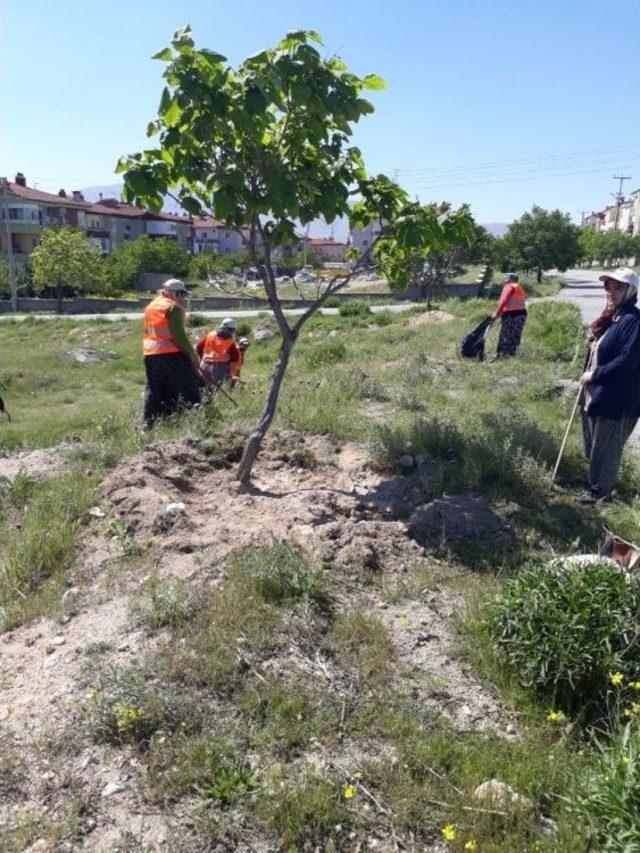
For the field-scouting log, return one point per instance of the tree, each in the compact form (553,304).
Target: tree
(539,240)
(129,261)
(424,245)
(587,243)
(63,258)
(260,147)
(611,247)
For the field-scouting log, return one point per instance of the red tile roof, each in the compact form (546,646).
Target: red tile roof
(325,241)
(113,208)
(206,222)
(30,194)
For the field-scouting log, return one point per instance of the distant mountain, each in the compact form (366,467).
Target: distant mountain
(498,229)
(93,193)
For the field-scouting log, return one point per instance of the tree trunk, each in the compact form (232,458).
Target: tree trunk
(59,295)
(539,275)
(253,445)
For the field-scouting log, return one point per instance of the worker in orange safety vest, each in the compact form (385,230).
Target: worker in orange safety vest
(171,363)
(236,366)
(219,352)
(512,310)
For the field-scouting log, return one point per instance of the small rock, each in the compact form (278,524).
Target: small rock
(498,795)
(123,647)
(176,508)
(87,760)
(96,512)
(49,649)
(406,462)
(40,845)
(112,788)
(263,336)
(89,825)
(565,387)
(58,640)
(549,827)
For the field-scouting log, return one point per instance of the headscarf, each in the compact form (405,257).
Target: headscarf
(605,319)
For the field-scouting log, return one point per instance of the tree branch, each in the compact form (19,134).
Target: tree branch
(334,288)
(269,280)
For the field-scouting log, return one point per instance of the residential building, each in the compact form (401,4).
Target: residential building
(635,214)
(326,249)
(29,210)
(210,235)
(107,224)
(362,239)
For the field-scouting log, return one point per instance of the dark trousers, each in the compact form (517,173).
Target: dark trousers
(171,383)
(604,440)
(511,327)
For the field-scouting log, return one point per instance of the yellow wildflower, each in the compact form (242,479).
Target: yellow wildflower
(555,717)
(126,717)
(616,678)
(403,621)
(628,712)
(357,775)
(349,792)
(625,759)
(449,832)
(471,845)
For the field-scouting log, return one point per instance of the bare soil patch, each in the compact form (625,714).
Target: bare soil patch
(36,464)
(435,316)
(315,491)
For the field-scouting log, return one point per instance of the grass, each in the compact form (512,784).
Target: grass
(262,696)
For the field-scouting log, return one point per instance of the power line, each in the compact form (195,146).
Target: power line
(509,179)
(495,164)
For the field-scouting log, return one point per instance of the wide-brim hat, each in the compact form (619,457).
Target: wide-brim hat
(624,275)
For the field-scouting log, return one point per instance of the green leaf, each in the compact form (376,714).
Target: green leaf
(166,54)
(191,205)
(173,115)
(373,81)
(212,57)
(254,100)
(165,101)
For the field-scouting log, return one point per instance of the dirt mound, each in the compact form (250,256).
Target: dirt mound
(436,316)
(35,464)
(457,521)
(176,506)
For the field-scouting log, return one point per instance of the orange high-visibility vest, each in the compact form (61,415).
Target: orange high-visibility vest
(156,337)
(236,365)
(217,350)
(515,302)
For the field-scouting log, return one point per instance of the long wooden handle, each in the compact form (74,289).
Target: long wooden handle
(566,434)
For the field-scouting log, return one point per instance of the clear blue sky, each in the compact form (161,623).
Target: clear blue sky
(491,102)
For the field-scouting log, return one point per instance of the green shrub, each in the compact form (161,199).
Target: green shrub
(562,629)
(126,706)
(38,542)
(354,308)
(282,573)
(333,302)
(330,351)
(607,797)
(383,318)
(164,603)
(558,327)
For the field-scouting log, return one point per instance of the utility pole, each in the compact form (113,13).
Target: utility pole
(619,196)
(582,214)
(4,208)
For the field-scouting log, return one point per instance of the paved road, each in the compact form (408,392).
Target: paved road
(137,315)
(585,290)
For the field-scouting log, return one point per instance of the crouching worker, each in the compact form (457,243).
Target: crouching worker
(236,366)
(219,353)
(170,361)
